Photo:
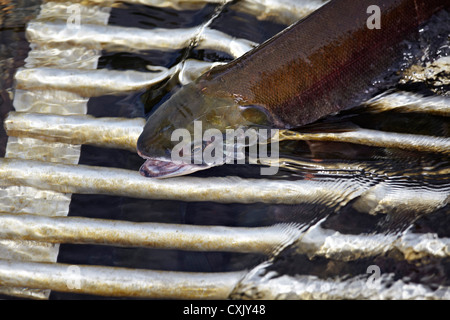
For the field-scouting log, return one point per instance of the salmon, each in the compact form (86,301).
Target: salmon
(332,60)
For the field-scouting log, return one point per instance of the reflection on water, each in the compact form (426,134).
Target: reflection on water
(369,189)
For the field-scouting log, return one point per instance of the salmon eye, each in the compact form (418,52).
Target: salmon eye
(196,147)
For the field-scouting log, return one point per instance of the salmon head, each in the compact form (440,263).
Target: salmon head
(187,132)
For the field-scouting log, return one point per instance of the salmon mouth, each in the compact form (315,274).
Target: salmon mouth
(165,168)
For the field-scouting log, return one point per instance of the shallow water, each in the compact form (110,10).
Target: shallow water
(354,170)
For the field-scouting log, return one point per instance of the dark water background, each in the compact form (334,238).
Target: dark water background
(14,49)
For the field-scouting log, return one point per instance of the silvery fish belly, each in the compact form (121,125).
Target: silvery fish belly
(292,150)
